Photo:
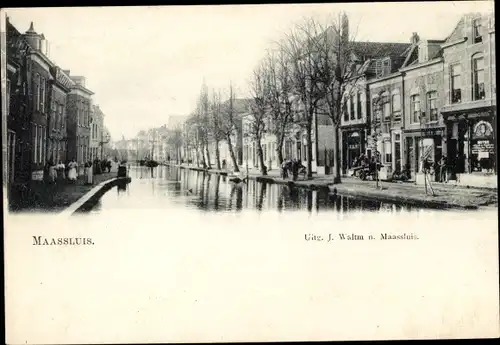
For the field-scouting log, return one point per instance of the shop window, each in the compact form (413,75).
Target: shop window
(478,78)
(415,108)
(432,106)
(477,31)
(456,83)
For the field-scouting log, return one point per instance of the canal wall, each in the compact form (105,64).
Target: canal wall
(400,193)
(90,199)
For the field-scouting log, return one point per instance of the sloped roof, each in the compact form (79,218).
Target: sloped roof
(379,49)
(240,105)
(458,31)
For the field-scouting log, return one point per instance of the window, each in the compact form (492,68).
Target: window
(432,106)
(61,116)
(351,108)
(40,143)
(387,108)
(346,114)
(360,109)
(476,37)
(376,108)
(478,78)
(8,97)
(34,141)
(396,105)
(456,84)
(53,115)
(387,152)
(37,92)
(42,95)
(415,108)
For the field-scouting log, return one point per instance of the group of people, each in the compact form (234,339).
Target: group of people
(293,166)
(440,168)
(69,171)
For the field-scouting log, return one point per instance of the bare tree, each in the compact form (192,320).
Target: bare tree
(300,47)
(278,98)
(228,125)
(205,125)
(215,124)
(258,107)
(338,75)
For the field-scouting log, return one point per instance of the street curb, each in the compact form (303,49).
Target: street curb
(345,192)
(89,200)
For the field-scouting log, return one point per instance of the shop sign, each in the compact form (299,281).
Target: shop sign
(483,146)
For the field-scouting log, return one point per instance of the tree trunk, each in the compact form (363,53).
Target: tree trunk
(231,152)
(260,152)
(336,155)
(279,148)
(309,148)
(203,160)
(209,164)
(217,155)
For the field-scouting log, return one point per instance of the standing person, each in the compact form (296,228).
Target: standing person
(443,171)
(61,168)
(72,174)
(88,173)
(52,171)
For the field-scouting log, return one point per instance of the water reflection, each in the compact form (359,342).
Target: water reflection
(211,192)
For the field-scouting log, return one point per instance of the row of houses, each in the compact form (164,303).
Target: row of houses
(50,113)
(425,99)
(153,143)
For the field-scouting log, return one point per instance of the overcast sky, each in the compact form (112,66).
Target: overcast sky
(144,63)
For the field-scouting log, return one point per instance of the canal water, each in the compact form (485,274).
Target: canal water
(166,186)
(178,255)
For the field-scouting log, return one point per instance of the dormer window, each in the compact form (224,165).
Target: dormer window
(477,31)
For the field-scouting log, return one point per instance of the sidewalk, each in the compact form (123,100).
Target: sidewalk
(57,196)
(446,195)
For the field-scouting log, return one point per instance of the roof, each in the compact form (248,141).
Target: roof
(379,49)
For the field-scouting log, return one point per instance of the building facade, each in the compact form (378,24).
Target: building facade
(469,110)
(40,77)
(97,137)
(57,136)
(17,106)
(78,107)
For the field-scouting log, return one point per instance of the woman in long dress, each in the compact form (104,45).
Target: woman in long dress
(72,171)
(88,173)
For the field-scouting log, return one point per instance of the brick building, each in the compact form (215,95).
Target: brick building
(97,136)
(39,69)
(423,135)
(17,105)
(78,107)
(60,86)
(470,99)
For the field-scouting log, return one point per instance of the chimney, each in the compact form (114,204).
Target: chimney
(414,38)
(43,45)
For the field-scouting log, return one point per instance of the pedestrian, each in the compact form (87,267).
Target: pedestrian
(443,171)
(89,173)
(72,174)
(60,167)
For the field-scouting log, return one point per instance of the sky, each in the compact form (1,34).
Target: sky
(146,63)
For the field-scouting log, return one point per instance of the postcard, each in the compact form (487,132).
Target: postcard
(236,173)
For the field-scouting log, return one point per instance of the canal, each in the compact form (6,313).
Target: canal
(166,187)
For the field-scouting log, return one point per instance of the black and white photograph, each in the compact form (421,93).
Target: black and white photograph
(251,172)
